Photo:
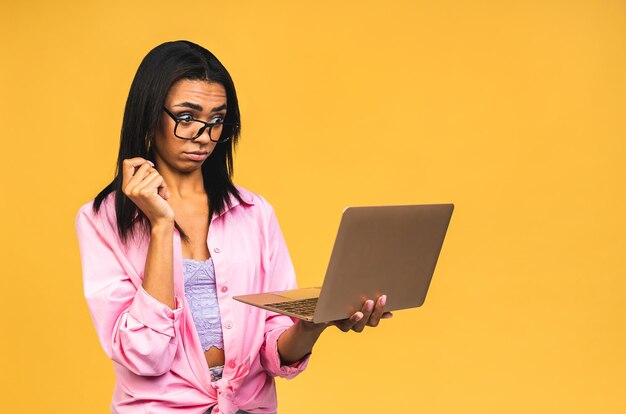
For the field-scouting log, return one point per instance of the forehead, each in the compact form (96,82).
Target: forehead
(196,91)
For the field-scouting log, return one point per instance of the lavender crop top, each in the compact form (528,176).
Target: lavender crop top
(201,295)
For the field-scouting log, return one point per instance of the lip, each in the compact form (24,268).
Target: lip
(197,155)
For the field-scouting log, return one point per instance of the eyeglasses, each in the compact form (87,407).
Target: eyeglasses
(187,127)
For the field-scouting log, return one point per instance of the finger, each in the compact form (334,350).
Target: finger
(153,183)
(387,315)
(343,325)
(129,166)
(367,309)
(150,184)
(131,169)
(142,172)
(378,311)
(160,187)
(346,324)
(136,173)
(163,191)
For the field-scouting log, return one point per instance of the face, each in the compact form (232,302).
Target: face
(202,100)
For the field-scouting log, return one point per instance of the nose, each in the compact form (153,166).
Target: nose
(204,137)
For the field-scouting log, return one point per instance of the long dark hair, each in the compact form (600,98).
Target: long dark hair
(159,70)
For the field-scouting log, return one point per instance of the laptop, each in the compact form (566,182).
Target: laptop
(378,250)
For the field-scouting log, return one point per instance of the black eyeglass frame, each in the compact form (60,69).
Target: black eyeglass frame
(201,130)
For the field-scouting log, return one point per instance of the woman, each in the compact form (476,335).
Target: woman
(167,244)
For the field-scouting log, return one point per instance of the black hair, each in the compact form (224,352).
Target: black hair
(160,69)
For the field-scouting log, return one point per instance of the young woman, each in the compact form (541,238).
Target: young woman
(171,240)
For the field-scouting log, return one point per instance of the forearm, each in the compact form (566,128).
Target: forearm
(298,341)
(158,278)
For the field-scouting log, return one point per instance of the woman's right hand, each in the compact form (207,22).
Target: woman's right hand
(143,184)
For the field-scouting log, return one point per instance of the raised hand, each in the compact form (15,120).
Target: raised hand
(143,184)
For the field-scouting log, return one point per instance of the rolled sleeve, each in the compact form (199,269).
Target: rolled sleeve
(135,330)
(271,357)
(154,314)
(283,277)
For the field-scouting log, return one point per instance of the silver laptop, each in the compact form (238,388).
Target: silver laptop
(389,250)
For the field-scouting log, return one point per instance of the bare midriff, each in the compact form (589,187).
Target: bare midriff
(214,356)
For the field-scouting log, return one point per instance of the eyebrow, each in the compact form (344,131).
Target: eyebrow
(199,108)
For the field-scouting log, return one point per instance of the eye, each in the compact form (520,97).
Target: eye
(218,119)
(185,117)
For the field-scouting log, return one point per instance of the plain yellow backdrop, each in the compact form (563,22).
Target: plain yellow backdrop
(512,110)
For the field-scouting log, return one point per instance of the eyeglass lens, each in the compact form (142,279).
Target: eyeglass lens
(193,129)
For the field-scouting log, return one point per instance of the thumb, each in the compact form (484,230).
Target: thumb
(163,192)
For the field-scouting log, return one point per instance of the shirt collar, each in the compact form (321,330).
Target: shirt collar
(246,196)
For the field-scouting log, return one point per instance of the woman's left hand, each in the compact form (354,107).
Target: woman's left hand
(370,315)
(298,341)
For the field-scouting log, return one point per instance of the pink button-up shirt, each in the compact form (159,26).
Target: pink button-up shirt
(158,360)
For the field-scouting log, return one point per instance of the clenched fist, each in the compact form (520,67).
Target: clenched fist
(143,184)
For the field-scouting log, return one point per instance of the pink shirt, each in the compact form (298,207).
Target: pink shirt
(157,356)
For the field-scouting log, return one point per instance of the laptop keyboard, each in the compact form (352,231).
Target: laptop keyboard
(304,307)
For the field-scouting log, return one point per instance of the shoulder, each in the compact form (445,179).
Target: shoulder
(103,220)
(107,206)
(257,209)
(254,200)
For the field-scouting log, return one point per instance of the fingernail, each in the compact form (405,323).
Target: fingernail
(358,316)
(150,162)
(369,305)
(383,300)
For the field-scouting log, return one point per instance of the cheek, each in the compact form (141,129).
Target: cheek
(164,143)
(164,132)
(212,148)
(169,145)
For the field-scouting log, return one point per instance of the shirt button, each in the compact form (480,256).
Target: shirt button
(224,289)
(216,250)
(232,364)
(228,325)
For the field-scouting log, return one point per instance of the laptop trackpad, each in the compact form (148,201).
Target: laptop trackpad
(304,293)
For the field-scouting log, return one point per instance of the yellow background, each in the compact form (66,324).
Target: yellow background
(512,110)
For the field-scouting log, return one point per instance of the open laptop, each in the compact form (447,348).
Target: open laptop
(389,250)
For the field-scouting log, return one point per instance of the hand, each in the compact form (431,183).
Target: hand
(298,341)
(370,315)
(143,184)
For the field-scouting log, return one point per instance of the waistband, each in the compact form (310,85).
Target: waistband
(216,372)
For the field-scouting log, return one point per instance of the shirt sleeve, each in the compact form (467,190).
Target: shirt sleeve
(283,277)
(135,329)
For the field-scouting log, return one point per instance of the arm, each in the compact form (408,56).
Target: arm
(282,275)
(143,184)
(158,279)
(288,345)
(298,341)
(135,329)
(136,325)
